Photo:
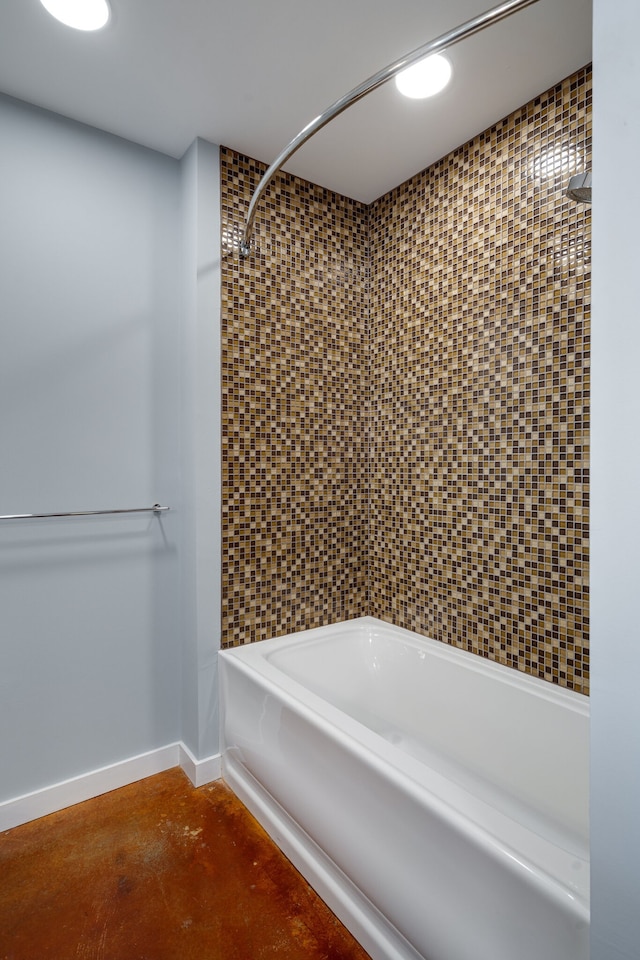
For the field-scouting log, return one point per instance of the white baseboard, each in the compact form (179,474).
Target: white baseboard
(200,771)
(49,799)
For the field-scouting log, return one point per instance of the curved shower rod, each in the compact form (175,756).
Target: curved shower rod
(443,42)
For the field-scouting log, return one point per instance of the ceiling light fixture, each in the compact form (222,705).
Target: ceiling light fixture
(79,14)
(425,78)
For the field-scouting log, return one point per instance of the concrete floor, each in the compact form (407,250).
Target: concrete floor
(158,870)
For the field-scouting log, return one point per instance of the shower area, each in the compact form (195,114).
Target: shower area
(405,393)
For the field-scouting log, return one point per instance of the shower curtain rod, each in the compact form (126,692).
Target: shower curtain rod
(445,40)
(156,508)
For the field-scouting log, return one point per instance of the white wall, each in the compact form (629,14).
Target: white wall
(90,301)
(201,448)
(615,514)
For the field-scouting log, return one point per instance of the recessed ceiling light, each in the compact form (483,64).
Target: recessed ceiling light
(79,14)
(425,77)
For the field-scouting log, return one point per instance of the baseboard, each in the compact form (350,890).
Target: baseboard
(49,799)
(200,771)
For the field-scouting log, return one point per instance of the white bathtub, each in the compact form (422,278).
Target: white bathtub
(435,800)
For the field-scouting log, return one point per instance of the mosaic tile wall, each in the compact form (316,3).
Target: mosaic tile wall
(456,310)
(295,458)
(480,377)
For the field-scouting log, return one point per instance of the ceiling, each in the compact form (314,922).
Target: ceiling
(251,75)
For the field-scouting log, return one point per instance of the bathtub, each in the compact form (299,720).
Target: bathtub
(435,800)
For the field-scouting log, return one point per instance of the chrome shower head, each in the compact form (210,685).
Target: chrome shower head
(579,188)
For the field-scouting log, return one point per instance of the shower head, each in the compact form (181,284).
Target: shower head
(579,188)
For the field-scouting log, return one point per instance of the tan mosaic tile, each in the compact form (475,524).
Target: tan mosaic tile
(479,370)
(458,307)
(294,408)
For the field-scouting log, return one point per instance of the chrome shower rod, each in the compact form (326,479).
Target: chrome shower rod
(156,508)
(443,42)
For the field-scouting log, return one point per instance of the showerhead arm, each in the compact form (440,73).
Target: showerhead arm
(443,42)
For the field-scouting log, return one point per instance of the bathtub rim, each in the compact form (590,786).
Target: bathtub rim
(561,874)
(545,689)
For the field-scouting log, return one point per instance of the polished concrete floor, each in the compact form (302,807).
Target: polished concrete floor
(158,871)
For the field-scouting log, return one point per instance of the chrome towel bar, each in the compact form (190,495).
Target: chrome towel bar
(156,508)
